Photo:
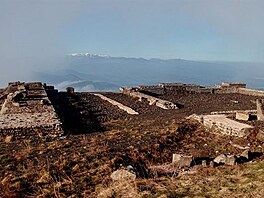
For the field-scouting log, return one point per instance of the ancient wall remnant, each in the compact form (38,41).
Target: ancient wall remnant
(70,89)
(251,92)
(243,116)
(181,87)
(222,88)
(164,104)
(119,105)
(156,90)
(232,84)
(233,112)
(26,109)
(260,113)
(224,125)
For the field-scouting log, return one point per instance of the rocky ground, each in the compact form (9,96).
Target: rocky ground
(101,138)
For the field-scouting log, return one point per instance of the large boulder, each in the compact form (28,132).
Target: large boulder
(123,175)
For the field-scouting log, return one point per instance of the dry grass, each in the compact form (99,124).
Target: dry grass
(121,189)
(245,181)
(80,166)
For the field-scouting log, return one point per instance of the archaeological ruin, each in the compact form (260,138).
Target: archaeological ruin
(35,108)
(26,110)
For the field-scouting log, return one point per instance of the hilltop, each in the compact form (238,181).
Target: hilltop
(93,138)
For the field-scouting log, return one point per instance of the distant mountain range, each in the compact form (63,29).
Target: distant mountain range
(88,55)
(92,72)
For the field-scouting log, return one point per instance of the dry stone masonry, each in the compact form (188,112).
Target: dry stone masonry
(118,104)
(26,110)
(164,104)
(224,125)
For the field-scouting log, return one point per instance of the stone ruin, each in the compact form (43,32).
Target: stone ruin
(222,88)
(151,93)
(136,93)
(25,110)
(221,122)
(260,111)
(25,107)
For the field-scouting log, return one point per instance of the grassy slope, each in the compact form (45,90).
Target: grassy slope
(80,166)
(237,181)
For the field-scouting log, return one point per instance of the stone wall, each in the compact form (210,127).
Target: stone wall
(222,88)
(260,112)
(164,104)
(222,124)
(118,104)
(30,124)
(157,90)
(180,87)
(251,92)
(30,132)
(27,111)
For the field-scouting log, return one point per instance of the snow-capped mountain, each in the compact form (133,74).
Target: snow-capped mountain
(88,55)
(92,72)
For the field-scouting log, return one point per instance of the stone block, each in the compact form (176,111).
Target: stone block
(230,160)
(176,158)
(260,135)
(182,161)
(122,175)
(220,159)
(242,116)
(245,154)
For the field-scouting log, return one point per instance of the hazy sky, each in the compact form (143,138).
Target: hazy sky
(34,32)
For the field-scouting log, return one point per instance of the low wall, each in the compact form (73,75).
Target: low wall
(222,124)
(233,112)
(152,89)
(119,105)
(26,124)
(251,92)
(31,132)
(164,104)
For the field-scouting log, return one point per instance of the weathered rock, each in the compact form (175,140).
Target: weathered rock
(245,154)
(121,175)
(230,160)
(204,163)
(242,116)
(260,135)
(220,159)
(165,169)
(176,157)
(182,161)
(8,138)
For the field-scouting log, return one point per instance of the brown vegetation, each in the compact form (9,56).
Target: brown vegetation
(101,137)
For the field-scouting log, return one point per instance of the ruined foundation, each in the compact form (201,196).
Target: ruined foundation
(26,110)
(164,104)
